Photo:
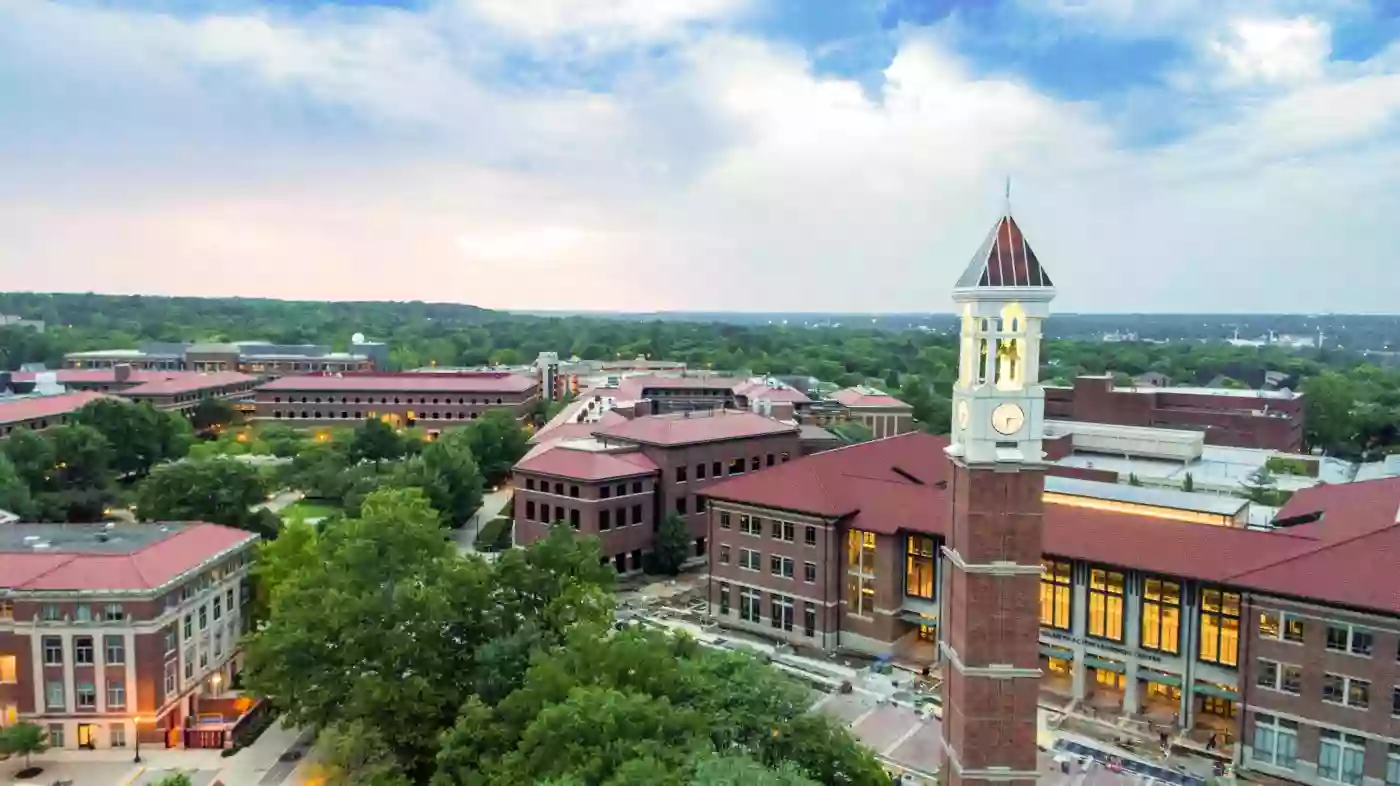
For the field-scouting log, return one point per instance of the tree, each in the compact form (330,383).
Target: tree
(32,457)
(210,412)
(356,754)
(738,770)
(453,481)
(219,490)
(178,779)
(290,554)
(79,485)
(140,435)
(25,739)
(282,441)
(672,546)
(14,494)
(375,441)
(1328,407)
(851,431)
(497,441)
(1188,483)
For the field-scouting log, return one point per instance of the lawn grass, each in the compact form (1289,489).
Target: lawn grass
(303,510)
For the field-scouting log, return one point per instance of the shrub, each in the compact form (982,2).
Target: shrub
(494,535)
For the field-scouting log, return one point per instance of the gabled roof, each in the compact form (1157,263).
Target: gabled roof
(867,397)
(407,382)
(692,428)
(20,409)
(1346,555)
(562,461)
(188,382)
(1004,259)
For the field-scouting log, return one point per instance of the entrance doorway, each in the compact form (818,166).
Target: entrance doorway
(85,739)
(1215,705)
(928,633)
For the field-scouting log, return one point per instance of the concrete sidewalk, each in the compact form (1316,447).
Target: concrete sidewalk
(260,763)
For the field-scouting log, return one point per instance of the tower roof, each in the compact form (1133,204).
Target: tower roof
(1004,259)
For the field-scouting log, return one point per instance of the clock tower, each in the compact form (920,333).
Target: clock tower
(991,622)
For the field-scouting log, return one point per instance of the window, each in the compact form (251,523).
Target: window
(56,734)
(573,518)
(621,489)
(218,607)
(775,565)
(113,612)
(810,535)
(1275,740)
(82,650)
(604,492)
(919,562)
(51,613)
(530,484)
(699,504)
(636,514)
(1161,615)
(700,471)
(769,461)
(604,519)
(809,619)
(1341,757)
(544,516)
(788,567)
(724,520)
(228,599)
(736,467)
(530,510)
(789,531)
(1345,638)
(189,627)
(1106,604)
(1280,676)
(83,613)
(117,734)
(9,670)
(1281,626)
(203,618)
(749,605)
(573,491)
(723,554)
(189,662)
(860,564)
(809,572)
(1056,590)
(782,611)
(116,695)
(85,696)
(1347,691)
(1395,702)
(1220,627)
(750,559)
(170,677)
(1392,766)
(751,525)
(724,598)
(680,505)
(54,696)
(169,641)
(680,473)
(53,651)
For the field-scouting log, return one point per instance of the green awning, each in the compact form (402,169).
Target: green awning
(1209,689)
(1173,680)
(1107,665)
(1050,651)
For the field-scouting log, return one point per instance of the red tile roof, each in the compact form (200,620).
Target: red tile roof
(66,376)
(888,485)
(188,382)
(695,427)
(21,409)
(566,462)
(855,397)
(421,382)
(149,565)
(759,390)
(632,388)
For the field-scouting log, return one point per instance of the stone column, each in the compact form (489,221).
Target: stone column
(1078,624)
(1132,639)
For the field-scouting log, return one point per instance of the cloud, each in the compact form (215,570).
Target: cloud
(379,153)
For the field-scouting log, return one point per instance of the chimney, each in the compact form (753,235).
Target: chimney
(122,372)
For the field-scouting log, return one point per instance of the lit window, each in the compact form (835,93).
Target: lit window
(1106,604)
(1056,588)
(1161,615)
(1220,627)
(919,569)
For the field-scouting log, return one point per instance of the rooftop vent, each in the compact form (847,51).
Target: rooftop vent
(40,545)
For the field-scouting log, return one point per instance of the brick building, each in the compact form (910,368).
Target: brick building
(429,401)
(1270,419)
(878,411)
(622,479)
(171,390)
(260,358)
(102,625)
(35,412)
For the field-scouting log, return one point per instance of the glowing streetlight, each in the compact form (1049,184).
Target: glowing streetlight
(136,723)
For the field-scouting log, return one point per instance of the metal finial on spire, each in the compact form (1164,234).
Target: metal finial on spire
(1008,195)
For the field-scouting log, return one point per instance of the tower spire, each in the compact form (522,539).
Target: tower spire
(1008,195)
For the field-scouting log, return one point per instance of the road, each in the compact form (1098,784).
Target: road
(281,501)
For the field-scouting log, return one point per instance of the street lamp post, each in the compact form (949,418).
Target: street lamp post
(136,722)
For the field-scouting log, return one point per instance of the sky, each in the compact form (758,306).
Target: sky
(739,155)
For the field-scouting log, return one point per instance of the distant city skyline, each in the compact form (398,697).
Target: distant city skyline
(1194,156)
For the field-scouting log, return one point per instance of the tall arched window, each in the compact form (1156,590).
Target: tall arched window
(982,361)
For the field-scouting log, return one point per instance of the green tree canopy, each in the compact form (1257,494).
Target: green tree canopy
(497,441)
(139,434)
(672,546)
(375,441)
(218,490)
(14,493)
(210,412)
(23,739)
(452,478)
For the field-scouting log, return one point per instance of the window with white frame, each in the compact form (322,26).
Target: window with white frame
(85,695)
(82,650)
(170,678)
(116,695)
(751,525)
(1341,757)
(115,650)
(117,734)
(53,651)
(750,604)
(723,554)
(1279,676)
(1281,626)
(749,559)
(54,695)
(1349,639)
(1395,702)
(1347,691)
(1392,766)
(782,611)
(1275,740)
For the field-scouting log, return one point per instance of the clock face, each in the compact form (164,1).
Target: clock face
(964,415)
(1008,418)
